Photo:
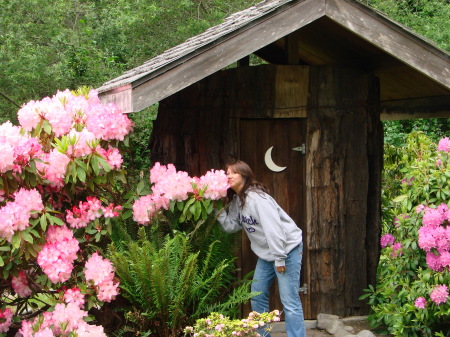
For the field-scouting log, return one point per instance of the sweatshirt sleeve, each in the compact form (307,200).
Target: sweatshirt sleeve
(273,229)
(230,220)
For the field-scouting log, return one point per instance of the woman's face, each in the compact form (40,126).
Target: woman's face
(235,180)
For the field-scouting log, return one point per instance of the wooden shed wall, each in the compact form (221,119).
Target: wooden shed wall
(198,129)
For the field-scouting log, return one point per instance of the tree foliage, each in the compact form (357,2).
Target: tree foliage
(46,46)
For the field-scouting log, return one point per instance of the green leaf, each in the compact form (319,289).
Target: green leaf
(197,211)
(400,198)
(127,214)
(16,240)
(81,174)
(95,165)
(54,219)
(81,164)
(140,187)
(27,236)
(104,164)
(2,263)
(47,127)
(43,221)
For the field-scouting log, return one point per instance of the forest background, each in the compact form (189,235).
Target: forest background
(49,46)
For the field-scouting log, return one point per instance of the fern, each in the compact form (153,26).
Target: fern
(173,280)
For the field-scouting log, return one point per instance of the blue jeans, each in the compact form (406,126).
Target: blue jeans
(288,284)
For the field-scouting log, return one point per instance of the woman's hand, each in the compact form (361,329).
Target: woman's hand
(281,269)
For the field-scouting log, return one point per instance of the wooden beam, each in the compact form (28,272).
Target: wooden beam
(393,38)
(222,53)
(244,62)
(120,96)
(428,107)
(292,49)
(272,53)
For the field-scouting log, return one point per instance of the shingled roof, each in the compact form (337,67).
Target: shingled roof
(195,44)
(414,73)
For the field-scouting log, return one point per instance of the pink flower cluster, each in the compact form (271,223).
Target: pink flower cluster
(84,120)
(53,165)
(434,237)
(6,316)
(74,295)
(88,211)
(420,303)
(20,284)
(66,111)
(58,254)
(439,294)
(64,320)
(101,272)
(172,185)
(444,145)
(214,184)
(389,240)
(16,149)
(15,215)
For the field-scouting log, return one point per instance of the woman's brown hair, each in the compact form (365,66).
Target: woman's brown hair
(246,172)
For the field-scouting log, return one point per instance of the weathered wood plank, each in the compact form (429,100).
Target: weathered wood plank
(430,107)
(338,185)
(394,39)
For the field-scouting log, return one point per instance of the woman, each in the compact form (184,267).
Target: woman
(275,239)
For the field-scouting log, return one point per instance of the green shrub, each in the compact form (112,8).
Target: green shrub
(414,175)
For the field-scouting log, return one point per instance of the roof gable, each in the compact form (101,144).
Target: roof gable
(320,32)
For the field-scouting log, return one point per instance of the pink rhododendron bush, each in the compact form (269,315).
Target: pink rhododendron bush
(64,197)
(58,203)
(411,297)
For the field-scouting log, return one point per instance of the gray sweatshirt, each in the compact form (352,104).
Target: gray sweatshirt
(272,233)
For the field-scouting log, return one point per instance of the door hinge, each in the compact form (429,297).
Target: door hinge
(301,149)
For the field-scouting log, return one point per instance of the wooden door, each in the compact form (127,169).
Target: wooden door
(287,137)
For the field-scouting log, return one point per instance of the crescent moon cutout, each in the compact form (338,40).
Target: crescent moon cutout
(269,162)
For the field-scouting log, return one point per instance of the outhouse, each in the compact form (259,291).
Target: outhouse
(307,119)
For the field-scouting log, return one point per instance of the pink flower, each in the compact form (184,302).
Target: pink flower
(107,122)
(439,294)
(215,184)
(387,240)
(6,157)
(75,296)
(20,284)
(83,143)
(396,249)
(420,303)
(58,254)
(433,217)
(6,316)
(434,261)
(16,214)
(444,145)
(55,169)
(101,272)
(98,269)
(144,208)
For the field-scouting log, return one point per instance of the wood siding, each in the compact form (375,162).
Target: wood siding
(199,129)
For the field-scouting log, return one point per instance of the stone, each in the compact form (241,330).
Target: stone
(365,333)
